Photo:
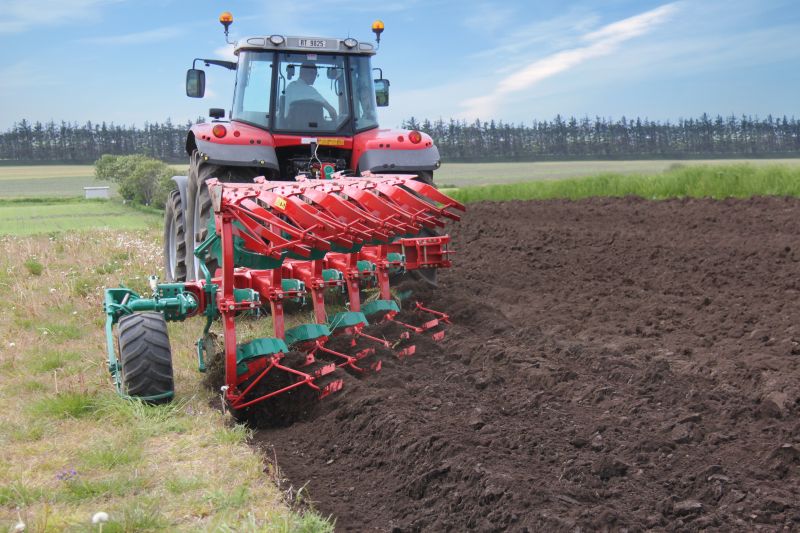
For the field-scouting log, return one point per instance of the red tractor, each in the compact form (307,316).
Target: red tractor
(302,106)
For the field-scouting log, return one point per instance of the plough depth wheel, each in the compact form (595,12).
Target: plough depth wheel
(145,357)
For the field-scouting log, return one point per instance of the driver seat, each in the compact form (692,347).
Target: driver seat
(304,114)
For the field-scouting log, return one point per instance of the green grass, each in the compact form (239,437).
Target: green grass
(64,405)
(470,174)
(162,468)
(32,217)
(731,181)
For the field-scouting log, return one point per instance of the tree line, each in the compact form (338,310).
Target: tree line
(603,138)
(458,140)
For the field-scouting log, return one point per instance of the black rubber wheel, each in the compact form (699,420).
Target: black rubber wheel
(174,239)
(199,210)
(145,357)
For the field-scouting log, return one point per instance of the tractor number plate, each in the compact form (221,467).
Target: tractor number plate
(313,43)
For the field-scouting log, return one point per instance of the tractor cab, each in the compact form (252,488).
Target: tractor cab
(305,91)
(305,105)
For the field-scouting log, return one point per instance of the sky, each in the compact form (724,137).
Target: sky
(124,61)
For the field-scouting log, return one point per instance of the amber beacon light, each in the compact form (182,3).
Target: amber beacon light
(377,29)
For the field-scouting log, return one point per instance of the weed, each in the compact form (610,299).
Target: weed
(29,432)
(181,485)
(138,517)
(33,266)
(233,435)
(235,498)
(18,494)
(108,268)
(147,420)
(60,332)
(50,359)
(76,489)
(65,405)
(111,455)
(84,286)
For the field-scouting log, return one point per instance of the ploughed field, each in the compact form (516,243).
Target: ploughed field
(612,364)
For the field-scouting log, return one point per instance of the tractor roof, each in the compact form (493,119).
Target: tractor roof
(305,44)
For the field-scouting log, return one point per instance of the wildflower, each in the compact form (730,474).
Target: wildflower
(99,517)
(12,344)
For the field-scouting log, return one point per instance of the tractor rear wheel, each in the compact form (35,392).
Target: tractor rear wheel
(199,211)
(145,357)
(174,238)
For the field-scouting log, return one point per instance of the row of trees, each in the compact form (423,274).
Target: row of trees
(607,139)
(457,140)
(74,143)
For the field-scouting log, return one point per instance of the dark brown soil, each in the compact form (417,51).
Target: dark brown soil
(613,365)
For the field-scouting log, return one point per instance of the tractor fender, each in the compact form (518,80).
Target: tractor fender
(181,183)
(400,160)
(237,155)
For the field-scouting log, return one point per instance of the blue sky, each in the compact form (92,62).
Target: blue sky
(125,60)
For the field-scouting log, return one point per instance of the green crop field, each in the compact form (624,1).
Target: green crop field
(466,174)
(702,181)
(32,217)
(69,180)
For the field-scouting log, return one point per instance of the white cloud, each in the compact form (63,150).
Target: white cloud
(22,15)
(600,43)
(142,37)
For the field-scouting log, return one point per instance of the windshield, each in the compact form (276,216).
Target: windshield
(253,88)
(312,93)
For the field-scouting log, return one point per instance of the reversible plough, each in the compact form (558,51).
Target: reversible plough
(278,242)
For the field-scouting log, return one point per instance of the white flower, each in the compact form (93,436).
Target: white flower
(11,345)
(99,518)
(19,527)
(52,290)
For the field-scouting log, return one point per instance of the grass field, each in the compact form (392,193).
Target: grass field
(69,447)
(51,180)
(69,180)
(468,174)
(731,181)
(28,218)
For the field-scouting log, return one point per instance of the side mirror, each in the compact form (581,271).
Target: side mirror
(382,92)
(195,83)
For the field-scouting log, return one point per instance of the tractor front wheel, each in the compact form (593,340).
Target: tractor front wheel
(145,357)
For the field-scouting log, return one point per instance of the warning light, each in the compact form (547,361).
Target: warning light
(377,29)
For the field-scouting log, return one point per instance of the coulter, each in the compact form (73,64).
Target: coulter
(287,204)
